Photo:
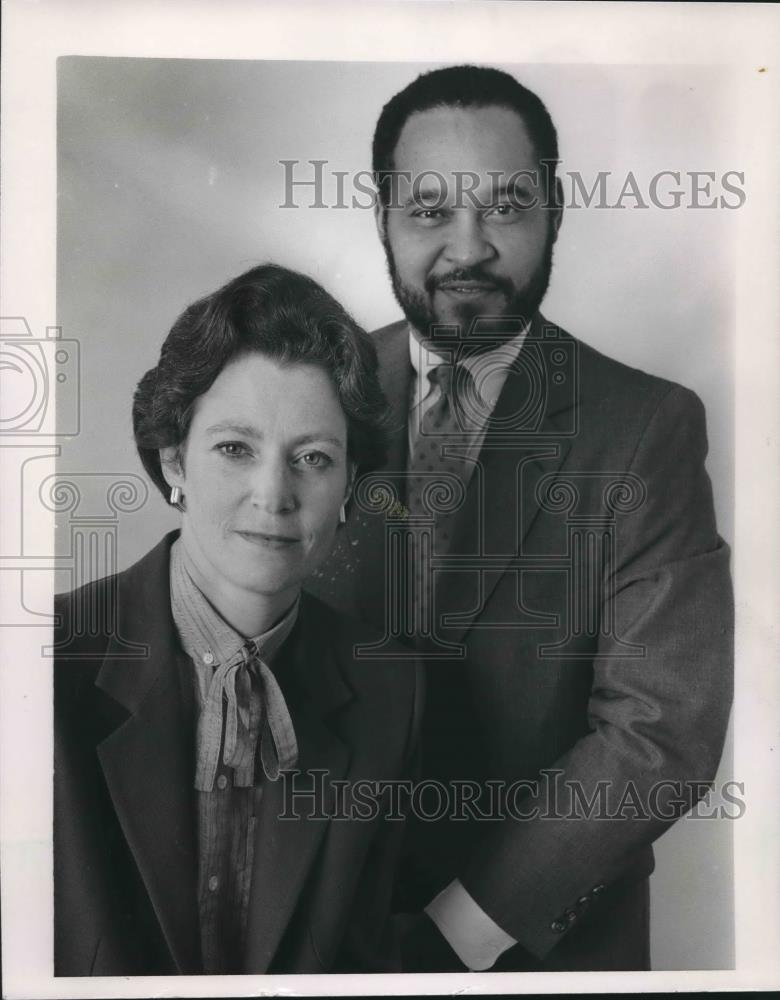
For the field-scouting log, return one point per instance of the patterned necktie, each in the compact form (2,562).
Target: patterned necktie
(435,478)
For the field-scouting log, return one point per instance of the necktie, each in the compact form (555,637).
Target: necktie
(436,479)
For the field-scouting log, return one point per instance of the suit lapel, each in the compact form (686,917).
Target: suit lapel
(396,376)
(366,532)
(148,760)
(528,436)
(294,810)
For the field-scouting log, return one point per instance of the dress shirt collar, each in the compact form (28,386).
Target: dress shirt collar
(204,633)
(234,708)
(488,370)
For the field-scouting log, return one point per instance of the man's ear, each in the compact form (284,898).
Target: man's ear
(380,218)
(558,216)
(171,465)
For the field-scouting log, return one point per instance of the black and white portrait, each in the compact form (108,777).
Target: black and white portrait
(381,412)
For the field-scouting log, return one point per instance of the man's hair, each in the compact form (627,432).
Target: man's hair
(460,87)
(278,313)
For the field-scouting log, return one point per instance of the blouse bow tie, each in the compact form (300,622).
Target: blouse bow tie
(254,711)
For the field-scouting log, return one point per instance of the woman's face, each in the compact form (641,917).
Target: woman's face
(264,473)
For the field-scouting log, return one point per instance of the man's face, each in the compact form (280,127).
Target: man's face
(465,244)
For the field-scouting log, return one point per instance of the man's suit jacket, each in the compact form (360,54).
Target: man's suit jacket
(596,644)
(125,839)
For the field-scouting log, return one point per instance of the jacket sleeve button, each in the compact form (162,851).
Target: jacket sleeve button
(558,926)
(583,902)
(597,890)
(571,916)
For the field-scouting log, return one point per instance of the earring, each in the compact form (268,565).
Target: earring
(343,514)
(176,499)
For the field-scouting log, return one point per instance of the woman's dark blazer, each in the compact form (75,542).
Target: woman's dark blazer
(125,844)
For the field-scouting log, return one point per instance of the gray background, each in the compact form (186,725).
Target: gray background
(169,183)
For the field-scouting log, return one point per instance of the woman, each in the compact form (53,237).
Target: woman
(208,735)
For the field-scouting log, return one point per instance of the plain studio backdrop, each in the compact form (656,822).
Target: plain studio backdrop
(170,182)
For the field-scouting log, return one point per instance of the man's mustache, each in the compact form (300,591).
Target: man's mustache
(467,274)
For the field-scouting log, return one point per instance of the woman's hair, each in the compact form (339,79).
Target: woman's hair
(283,315)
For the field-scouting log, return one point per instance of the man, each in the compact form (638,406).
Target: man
(567,591)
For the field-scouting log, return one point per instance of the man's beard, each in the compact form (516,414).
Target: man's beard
(516,314)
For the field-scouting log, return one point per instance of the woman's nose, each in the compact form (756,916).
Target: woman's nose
(468,245)
(273,487)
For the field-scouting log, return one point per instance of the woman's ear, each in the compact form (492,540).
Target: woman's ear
(171,465)
(351,470)
(351,473)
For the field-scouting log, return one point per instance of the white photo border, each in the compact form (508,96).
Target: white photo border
(743,38)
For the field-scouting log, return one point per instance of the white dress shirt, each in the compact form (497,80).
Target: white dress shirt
(488,372)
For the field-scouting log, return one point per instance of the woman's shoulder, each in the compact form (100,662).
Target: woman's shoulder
(77,614)
(86,594)
(91,614)
(153,564)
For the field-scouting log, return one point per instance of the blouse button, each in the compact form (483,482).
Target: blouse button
(222,782)
(208,658)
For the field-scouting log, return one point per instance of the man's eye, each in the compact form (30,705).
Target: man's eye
(504,213)
(314,460)
(429,215)
(233,449)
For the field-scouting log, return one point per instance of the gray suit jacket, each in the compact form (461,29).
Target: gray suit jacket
(590,637)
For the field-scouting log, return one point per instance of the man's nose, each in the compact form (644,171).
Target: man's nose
(273,486)
(468,244)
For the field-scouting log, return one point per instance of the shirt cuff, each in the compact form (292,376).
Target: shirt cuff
(475,937)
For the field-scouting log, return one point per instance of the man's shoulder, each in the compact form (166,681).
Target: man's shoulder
(604,386)
(619,392)
(392,346)
(595,366)
(392,331)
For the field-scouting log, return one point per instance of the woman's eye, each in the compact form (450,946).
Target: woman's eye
(233,449)
(314,459)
